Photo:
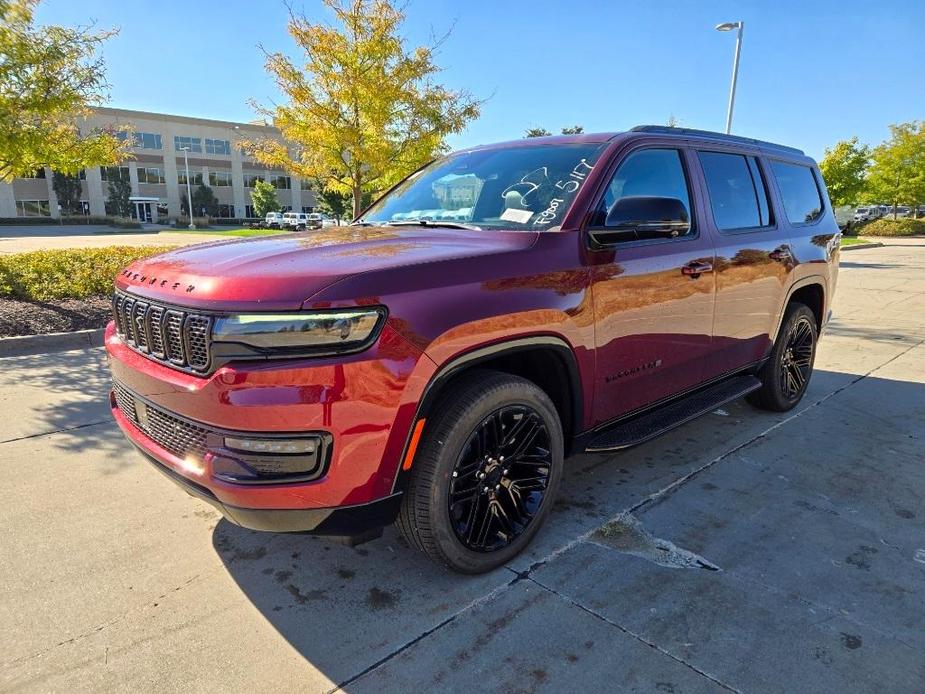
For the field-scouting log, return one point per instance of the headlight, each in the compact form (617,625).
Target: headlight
(314,331)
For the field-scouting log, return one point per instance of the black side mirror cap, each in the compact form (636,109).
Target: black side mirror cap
(639,217)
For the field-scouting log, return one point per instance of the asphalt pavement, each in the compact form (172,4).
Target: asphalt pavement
(745,551)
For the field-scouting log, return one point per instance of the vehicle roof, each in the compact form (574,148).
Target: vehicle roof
(662,130)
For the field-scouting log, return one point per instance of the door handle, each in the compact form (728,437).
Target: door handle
(781,254)
(695,268)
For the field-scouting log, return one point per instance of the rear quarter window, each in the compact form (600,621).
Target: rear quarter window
(799,192)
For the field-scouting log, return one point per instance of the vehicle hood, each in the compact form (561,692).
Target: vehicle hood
(280,272)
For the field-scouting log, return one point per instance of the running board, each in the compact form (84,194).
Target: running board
(655,422)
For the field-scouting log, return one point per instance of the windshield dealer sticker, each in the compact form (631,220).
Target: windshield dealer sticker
(512,214)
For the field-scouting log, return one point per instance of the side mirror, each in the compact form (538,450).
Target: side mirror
(639,217)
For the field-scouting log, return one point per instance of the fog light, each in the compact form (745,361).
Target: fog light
(272,446)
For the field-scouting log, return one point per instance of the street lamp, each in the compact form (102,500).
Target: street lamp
(189,193)
(729,26)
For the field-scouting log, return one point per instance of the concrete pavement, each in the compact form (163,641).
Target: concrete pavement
(20,239)
(808,525)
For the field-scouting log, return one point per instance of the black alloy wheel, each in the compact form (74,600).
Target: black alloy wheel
(796,361)
(785,376)
(500,478)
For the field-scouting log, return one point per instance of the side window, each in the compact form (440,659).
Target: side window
(799,191)
(648,172)
(737,193)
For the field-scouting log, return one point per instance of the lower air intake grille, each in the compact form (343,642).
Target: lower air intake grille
(180,437)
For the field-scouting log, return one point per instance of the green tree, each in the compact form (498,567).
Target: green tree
(332,202)
(204,199)
(537,132)
(50,76)
(363,110)
(573,130)
(68,191)
(844,167)
(264,199)
(897,174)
(120,189)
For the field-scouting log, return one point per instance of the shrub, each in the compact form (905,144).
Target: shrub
(73,273)
(125,223)
(900,227)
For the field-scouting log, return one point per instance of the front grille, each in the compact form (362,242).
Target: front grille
(172,336)
(179,436)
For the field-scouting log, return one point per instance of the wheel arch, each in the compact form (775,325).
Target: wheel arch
(546,360)
(810,291)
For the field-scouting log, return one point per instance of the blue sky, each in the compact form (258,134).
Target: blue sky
(811,72)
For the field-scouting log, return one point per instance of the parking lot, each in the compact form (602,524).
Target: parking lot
(745,551)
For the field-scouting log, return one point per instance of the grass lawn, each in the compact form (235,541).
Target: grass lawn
(853,240)
(235,231)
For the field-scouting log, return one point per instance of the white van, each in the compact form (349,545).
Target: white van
(274,220)
(295,221)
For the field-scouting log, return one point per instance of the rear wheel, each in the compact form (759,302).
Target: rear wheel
(485,474)
(785,377)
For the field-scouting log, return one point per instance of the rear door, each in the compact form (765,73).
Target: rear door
(653,297)
(754,258)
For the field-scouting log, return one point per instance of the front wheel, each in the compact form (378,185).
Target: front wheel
(786,375)
(485,474)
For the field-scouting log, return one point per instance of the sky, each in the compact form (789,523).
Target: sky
(812,72)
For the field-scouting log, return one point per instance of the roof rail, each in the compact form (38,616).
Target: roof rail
(668,130)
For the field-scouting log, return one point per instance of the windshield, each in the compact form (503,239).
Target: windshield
(524,187)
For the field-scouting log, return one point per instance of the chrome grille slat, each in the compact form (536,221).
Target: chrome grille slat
(180,437)
(171,336)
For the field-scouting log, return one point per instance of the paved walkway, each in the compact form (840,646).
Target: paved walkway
(18,239)
(802,534)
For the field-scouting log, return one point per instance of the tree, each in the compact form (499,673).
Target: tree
(673,121)
(897,174)
(573,130)
(50,77)
(844,168)
(537,132)
(120,190)
(204,201)
(363,111)
(68,191)
(264,199)
(331,202)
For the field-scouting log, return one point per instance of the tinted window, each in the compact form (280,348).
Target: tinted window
(799,191)
(737,193)
(650,172)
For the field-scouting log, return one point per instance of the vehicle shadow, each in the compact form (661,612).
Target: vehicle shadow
(345,609)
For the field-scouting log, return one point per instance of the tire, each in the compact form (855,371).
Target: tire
(785,376)
(458,438)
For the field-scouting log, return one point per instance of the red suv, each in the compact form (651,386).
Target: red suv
(507,305)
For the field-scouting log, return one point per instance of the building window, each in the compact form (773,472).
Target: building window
(281,182)
(85,208)
(148,140)
(33,208)
(114,173)
(307,208)
(38,173)
(218,146)
(195,178)
(150,174)
(306,184)
(193,144)
(251,179)
(219,179)
(249,211)
(224,211)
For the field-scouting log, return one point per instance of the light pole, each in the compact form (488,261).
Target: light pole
(189,193)
(729,26)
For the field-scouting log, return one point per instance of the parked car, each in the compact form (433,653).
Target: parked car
(332,222)
(865,214)
(295,221)
(313,220)
(600,290)
(274,220)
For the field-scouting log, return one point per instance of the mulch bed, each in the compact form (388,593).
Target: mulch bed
(58,316)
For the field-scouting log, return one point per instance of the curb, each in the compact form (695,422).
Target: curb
(52,342)
(860,246)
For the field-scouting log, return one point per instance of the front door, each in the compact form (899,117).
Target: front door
(143,211)
(653,297)
(753,258)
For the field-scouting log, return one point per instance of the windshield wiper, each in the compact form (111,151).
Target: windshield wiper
(433,223)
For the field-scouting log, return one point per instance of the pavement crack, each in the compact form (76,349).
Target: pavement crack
(638,637)
(58,431)
(663,493)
